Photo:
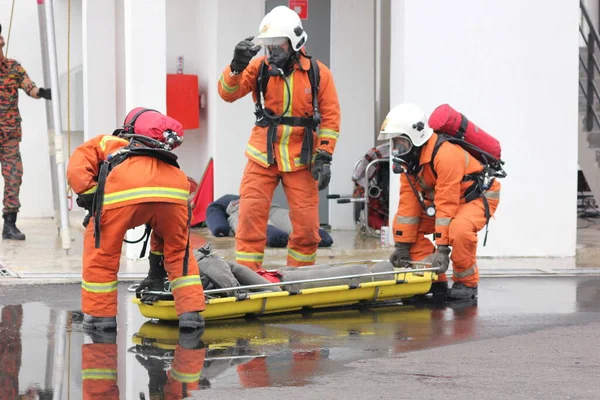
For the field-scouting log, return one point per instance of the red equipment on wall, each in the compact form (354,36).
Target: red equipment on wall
(183,102)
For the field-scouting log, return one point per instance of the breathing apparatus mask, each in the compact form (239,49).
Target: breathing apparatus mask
(280,53)
(405,155)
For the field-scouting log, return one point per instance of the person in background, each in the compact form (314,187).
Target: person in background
(13,77)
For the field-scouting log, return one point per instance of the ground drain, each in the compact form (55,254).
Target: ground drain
(6,272)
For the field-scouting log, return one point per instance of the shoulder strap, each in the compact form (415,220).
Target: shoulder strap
(436,147)
(314,75)
(262,79)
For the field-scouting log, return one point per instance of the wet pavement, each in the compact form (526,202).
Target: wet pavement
(44,352)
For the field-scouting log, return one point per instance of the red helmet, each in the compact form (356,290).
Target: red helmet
(151,123)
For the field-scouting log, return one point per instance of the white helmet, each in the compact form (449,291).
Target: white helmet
(409,120)
(280,24)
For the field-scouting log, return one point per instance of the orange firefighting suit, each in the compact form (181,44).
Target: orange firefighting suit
(140,190)
(99,371)
(260,179)
(456,222)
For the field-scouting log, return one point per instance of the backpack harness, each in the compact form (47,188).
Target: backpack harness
(482,181)
(266,117)
(139,145)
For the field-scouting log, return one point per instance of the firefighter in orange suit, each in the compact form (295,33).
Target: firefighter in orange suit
(290,141)
(141,190)
(441,201)
(99,366)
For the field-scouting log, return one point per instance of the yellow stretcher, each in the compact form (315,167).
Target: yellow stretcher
(400,284)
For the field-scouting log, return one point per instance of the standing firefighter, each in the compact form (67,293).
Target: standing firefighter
(13,77)
(125,180)
(296,130)
(444,191)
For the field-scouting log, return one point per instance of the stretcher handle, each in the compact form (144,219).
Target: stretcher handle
(333,196)
(353,200)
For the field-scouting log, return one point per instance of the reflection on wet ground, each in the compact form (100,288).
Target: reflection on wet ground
(44,354)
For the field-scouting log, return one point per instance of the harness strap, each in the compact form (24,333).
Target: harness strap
(99,200)
(271,138)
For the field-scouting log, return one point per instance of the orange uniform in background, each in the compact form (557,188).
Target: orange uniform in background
(141,190)
(99,371)
(456,222)
(261,178)
(185,372)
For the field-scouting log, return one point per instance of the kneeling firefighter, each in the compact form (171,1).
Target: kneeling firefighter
(128,179)
(445,191)
(296,130)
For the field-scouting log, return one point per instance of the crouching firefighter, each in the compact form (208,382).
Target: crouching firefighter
(293,140)
(445,191)
(128,179)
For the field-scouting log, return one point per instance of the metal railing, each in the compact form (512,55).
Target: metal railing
(590,67)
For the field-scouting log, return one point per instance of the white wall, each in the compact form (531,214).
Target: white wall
(353,69)
(511,67)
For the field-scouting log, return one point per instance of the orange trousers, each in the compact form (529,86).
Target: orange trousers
(99,371)
(469,220)
(170,224)
(256,194)
(185,373)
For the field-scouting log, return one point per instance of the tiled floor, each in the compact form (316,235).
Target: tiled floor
(41,256)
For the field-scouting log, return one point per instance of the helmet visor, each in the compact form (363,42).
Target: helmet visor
(401,145)
(271,41)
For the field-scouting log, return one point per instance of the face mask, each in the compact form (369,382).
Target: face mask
(278,56)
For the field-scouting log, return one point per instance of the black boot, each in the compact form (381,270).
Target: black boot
(155,281)
(91,323)
(460,291)
(10,230)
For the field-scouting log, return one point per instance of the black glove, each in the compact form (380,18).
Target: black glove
(401,256)
(151,284)
(243,53)
(441,258)
(45,93)
(321,169)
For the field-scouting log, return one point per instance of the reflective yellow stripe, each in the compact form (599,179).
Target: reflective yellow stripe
(157,253)
(328,134)
(302,257)
(256,154)
(108,139)
(284,148)
(185,281)
(408,220)
(98,374)
(495,195)
(92,190)
(105,287)
(465,273)
(143,192)
(251,257)
(466,159)
(183,377)
(226,87)
(443,221)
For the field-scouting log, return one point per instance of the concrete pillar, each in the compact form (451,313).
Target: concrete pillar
(99,78)
(144,31)
(353,68)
